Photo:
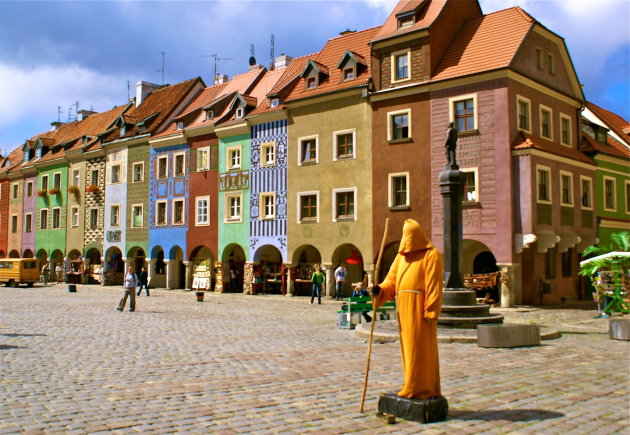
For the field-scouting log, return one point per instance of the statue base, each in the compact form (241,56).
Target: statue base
(420,410)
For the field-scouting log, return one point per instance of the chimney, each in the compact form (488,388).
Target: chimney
(220,79)
(282,61)
(56,125)
(82,114)
(143,89)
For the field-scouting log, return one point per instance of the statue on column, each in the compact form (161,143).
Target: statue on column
(451,144)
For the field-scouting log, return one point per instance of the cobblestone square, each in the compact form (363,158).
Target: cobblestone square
(72,363)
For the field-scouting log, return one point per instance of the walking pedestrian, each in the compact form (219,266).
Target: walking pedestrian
(340,281)
(143,281)
(318,279)
(130,283)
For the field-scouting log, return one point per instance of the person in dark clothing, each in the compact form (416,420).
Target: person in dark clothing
(143,281)
(360,290)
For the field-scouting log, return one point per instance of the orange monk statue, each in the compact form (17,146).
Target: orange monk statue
(415,280)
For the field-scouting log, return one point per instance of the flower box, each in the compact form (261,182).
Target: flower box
(93,188)
(54,191)
(42,193)
(73,189)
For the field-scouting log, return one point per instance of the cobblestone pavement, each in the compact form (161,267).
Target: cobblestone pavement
(71,363)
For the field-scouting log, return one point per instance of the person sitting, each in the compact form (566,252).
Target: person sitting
(360,290)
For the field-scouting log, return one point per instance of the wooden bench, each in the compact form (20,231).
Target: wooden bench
(351,312)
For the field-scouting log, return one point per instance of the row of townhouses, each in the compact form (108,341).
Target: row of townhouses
(250,183)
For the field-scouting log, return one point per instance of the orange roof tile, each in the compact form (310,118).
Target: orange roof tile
(612,147)
(475,49)
(613,121)
(426,13)
(527,141)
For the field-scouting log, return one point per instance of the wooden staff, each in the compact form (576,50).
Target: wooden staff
(376,278)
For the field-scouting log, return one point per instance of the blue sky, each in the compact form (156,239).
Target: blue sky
(55,53)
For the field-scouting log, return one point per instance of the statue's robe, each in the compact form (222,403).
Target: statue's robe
(415,280)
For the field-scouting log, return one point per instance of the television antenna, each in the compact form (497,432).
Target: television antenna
(216,59)
(162,69)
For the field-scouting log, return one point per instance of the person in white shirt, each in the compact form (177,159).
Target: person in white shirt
(340,280)
(130,283)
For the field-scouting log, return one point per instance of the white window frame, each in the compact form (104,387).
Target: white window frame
(228,218)
(28,228)
(43,223)
(569,175)
(75,214)
(264,160)
(336,135)
(157,167)
(390,124)
(477,192)
(173,206)
(94,223)
(44,185)
(335,192)
(157,213)
(452,115)
(14,220)
(564,116)
(542,108)
(94,174)
(390,190)
(275,102)
(614,192)
(76,177)
(394,67)
(203,155)
(116,215)
(52,224)
(589,180)
(547,169)
(262,205)
(519,99)
(133,172)
(141,206)
(300,219)
(229,152)
(15,190)
(300,159)
(57,176)
(111,173)
(240,112)
(206,222)
(29,189)
(175,156)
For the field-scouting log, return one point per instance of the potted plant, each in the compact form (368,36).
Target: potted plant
(42,193)
(54,191)
(74,189)
(92,188)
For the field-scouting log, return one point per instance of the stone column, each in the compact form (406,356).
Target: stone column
(369,271)
(169,273)
(508,284)
(451,188)
(329,287)
(290,284)
(188,280)
(151,271)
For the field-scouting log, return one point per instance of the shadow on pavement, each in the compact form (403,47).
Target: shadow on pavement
(8,346)
(503,414)
(24,335)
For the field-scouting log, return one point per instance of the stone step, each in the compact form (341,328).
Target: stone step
(480,310)
(468,322)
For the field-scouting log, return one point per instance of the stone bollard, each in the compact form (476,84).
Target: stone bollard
(508,335)
(619,329)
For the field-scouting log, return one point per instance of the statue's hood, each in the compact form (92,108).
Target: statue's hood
(413,238)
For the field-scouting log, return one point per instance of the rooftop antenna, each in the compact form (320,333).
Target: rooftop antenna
(162,69)
(216,59)
(70,114)
(128,97)
(59,112)
(272,52)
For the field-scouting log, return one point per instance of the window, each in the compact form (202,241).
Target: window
(566,188)
(347,74)
(308,150)
(307,211)
(138,172)
(162,167)
(544,184)
(551,63)
(178,212)
(114,218)
(160,213)
(179,165)
(93,218)
(545,122)
(14,223)
(539,58)
(344,144)
(471,185)
(233,207)
(233,158)
(180,125)
(115,174)
(565,129)
(203,159)
(44,182)
(15,190)
(550,263)
(311,83)
(627,193)
(76,178)
(240,112)
(267,205)
(405,22)
(400,65)
(43,219)
(398,125)
(462,110)
(275,102)
(137,215)
(567,263)
(524,115)
(586,193)
(29,189)
(56,217)
(209,115)
(57,180)
(344,201)
(202,216)
(399,190)
(94,177)
(28,222)
(610,193)
(75,215)
(268,154)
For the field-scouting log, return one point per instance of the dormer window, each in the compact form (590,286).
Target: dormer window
(348,74)
(275,102)
(209,115)
(180,125)
(123,130)
(311,83)
(405,22)
(240,112)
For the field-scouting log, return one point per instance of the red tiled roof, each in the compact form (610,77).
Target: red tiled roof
(527,141)
(427,11)
(485,43)
(613,121)
(329,57)
(612,147)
